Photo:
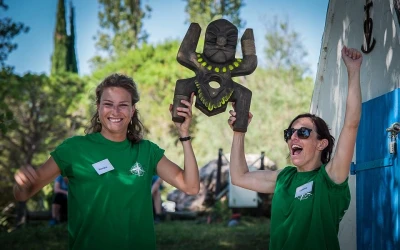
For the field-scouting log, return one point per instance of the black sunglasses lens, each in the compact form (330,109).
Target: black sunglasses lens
(303,133)
(287,133)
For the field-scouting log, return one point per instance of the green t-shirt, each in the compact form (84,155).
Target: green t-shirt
(306,210)
(111,210)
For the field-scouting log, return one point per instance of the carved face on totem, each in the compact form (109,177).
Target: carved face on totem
(220,41)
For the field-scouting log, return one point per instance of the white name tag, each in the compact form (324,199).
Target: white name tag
(304,189)
(103,166)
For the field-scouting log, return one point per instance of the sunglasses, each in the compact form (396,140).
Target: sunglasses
(302,133)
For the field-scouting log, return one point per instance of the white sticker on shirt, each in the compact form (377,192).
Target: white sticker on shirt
(304,191)
(103,166)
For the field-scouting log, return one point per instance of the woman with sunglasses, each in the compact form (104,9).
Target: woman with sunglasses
(310,198)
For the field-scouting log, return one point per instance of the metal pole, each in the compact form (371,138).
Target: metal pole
(218,184)
(262,167)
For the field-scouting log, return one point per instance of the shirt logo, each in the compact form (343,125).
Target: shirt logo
(303,192)
(304,196)
(137,169)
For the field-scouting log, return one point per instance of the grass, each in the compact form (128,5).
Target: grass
(251,233)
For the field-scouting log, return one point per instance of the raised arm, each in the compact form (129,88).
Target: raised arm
(186,179)
(262,181)
(28,181)
(338,168)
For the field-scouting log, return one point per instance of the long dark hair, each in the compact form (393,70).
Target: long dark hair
(135,127)
(322,132)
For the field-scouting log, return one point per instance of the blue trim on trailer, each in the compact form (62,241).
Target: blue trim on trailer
(380,163)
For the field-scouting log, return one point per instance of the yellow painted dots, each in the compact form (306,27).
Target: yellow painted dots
(223,69)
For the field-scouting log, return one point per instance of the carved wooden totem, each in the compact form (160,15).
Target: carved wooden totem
(214,69)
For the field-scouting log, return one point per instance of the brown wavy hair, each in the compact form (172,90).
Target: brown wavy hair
(135,127)
(322,133)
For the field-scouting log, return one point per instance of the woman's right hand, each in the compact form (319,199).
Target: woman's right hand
(28,180)
(186,112)
(25,178)
(232,118)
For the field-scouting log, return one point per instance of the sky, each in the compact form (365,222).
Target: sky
(167,21)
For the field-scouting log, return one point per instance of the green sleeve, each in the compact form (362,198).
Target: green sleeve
(156,154)
(62,155)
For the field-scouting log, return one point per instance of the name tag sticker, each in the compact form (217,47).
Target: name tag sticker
(103,166)
(304,189)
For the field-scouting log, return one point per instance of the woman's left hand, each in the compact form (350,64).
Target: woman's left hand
(186,112)
(232,118)
(352,58)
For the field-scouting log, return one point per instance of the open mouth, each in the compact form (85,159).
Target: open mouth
(115,120)
(296,149)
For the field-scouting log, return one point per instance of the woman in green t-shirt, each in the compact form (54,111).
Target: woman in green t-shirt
(110,170)
(311,197)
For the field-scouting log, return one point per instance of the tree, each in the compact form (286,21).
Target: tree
(45,111)
(205,11)
(121,27)
(64,57)
(72,65)
(284,50)
(59,58)
(8,30)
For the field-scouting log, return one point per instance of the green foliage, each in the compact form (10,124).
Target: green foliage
(221,211)
(36,237)
(59,59)
(6,116)
(204,12)
(8,30)
(72,65)
(251,233)
(121,28)
(284,50)
(64,57)
(45,111)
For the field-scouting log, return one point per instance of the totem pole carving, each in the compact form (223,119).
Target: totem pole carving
(214,69)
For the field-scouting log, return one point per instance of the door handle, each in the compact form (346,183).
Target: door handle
(394,129)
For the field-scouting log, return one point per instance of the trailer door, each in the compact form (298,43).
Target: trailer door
(378,174)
